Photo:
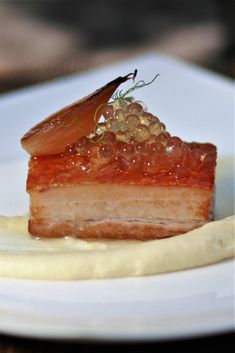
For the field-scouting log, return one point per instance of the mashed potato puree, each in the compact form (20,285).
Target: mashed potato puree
(22,256)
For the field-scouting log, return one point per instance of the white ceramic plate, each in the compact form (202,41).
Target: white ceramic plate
(194,104)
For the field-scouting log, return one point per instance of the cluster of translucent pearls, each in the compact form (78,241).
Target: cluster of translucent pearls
(130,121)
(138,140)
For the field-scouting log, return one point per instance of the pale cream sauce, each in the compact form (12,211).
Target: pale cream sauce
(22,256)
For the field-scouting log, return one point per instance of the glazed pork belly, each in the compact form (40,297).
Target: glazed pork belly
(110,170)
(100,197)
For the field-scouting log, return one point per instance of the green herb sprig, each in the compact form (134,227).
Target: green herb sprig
(122,95)
(139,84)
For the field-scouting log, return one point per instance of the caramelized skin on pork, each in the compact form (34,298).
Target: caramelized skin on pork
(63,170)
(91,197)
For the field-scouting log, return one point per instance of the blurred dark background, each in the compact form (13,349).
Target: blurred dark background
(43,39)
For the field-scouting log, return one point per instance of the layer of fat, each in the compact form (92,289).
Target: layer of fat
(84,202)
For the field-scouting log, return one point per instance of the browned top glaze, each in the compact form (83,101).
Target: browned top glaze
(186,169)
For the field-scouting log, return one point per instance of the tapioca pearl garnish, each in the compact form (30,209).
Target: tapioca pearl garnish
(142,148)
(164,135)
(109,137)
(146,118)
(151,166)
(92,150)
(174,146)
(155,128)
(81,144)
(119,114)
(135,162)
(141,133)
(120,103)
(162,138)
(181,170)
(155,119)
(108,111)
(125,149)
(152,139)
(163,127)
(144,106)
(156,148)
(106,150)
(120,135)
(132,120)
(132,139)
(112,125)
(122,126)
(134,108)
(124,136)
(167,134)
(122,163)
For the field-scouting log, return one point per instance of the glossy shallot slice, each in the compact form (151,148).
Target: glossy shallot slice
(52,135)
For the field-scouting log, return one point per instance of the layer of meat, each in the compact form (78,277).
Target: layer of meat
(118,211)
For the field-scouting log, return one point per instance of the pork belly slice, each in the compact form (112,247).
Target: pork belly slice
(86,197)
(118,211)
(120,177)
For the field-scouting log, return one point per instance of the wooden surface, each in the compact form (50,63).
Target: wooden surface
(218,343)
